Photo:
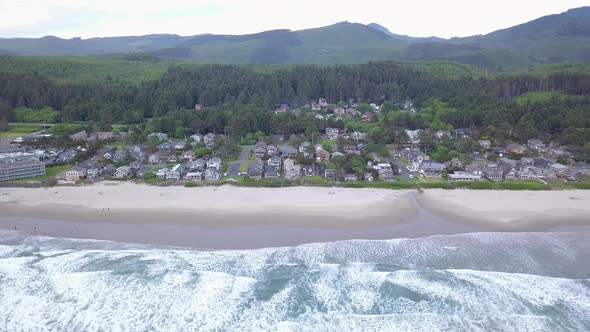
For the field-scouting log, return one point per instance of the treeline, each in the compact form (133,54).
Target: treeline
(241,96)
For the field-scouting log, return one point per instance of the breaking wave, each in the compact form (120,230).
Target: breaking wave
(469,282)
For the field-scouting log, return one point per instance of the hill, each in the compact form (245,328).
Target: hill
(556,38)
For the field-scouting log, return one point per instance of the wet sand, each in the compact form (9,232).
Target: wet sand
(237,218)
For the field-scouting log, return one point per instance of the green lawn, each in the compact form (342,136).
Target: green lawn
(244,167)
(19,130)
(50,172)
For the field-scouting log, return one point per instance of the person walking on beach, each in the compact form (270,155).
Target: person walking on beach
(34,229)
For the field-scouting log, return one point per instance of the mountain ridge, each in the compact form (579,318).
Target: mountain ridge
(548,39)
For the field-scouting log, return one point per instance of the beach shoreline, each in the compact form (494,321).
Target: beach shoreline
(232,217)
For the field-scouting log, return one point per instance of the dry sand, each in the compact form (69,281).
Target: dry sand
(224,217)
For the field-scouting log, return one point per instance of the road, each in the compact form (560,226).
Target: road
(405,174)
(233,168)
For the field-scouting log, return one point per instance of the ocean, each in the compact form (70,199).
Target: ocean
(468,282)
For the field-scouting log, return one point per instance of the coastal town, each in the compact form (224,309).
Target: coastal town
(336,154)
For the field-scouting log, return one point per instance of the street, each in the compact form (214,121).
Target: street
(233,168)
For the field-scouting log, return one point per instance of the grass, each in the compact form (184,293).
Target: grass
(19,130)
(244,167)
(50,172)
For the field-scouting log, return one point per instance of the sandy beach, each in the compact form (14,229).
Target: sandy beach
(254,217)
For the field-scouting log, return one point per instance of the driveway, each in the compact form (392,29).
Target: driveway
(233,168)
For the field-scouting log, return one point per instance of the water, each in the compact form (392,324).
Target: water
(470,282)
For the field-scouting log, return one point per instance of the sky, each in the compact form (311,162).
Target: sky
(418,18)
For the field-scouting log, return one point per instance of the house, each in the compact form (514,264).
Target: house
(179,146)
(413,136)
(474,169)
(274,161)
(336,154)
(500,151)
(108,155)
(194,175)
(161,174)
(189,155)
(138,155)
(516,149)
(260,151)
(350,177)
(559,169)
(332,133)
(141,172)
(456,163)
(255,169)
(175,173)
(367,117)
(543,162)
(271,150)
(161,136)
(165,146)
(432,166)
(154,158)
(369,177)
(351,149)
(197,138)
(486,144)
(292,170)
(120,156)
(311,170)
(122,172)
(493,172)
(198,165)
(135,164)
(386,174)
(537,144)
(209,139)
(212,174)
(357,135)
(288,151)
(303,147)
(214,163)
(271,172)
(172,159)
(527,161)
(321,153)
(323,103)
(93,172)
(75,174)
(330,174)
(463,176)
(442,133)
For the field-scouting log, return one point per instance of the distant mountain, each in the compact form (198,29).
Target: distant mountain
(550,39)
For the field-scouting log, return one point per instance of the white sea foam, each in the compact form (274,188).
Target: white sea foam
(401,285)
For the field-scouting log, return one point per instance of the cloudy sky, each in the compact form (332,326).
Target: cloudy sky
(101,18)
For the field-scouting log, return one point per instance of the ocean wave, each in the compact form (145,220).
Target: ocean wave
(489,281)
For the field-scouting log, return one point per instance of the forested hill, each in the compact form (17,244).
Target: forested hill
(550,39)
(550,102)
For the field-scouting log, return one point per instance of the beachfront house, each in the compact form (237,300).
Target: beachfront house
(194,175)
(212,174)
(214,163)
(175,173)
(271,172)
(274,161)
(330,174)
(256,169)
(123,172)
(75,174)
(463,176)
(292,170)
(161,174)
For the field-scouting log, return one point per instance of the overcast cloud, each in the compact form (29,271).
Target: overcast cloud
(419,18)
